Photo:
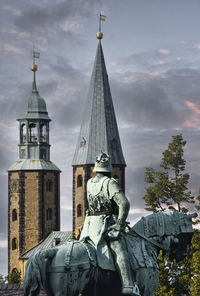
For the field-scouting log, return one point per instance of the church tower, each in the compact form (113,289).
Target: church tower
(33,181)
(99,132)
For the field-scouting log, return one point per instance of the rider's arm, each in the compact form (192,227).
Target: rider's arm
(120,199)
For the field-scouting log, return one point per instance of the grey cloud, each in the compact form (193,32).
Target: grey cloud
(62,67)
(51,16)
(67,110)
(156,102)
(146,103)
(156,61)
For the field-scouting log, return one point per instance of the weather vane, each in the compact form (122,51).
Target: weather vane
(36,55)
(101,18)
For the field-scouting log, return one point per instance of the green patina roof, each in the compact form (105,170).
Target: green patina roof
(32,164)
(99,129)
(34,107)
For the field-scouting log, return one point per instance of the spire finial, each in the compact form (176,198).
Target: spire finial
(101,18)
(34,68)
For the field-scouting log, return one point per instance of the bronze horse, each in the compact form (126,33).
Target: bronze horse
(72,269)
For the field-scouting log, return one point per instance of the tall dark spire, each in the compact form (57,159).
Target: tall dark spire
(99,132)
(99,129)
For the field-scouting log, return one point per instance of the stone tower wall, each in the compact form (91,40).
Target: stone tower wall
(31,199)
(32,233)
(14,192)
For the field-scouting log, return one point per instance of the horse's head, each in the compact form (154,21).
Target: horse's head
(170,230)
(182,237)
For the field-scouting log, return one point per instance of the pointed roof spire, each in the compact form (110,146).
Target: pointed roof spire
(34,107)
(99,131)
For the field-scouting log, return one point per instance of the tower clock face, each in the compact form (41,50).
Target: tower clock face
(14,186)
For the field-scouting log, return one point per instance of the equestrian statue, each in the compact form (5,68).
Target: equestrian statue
(110,258)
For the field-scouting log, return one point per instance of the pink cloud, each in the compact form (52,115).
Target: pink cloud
(193,120)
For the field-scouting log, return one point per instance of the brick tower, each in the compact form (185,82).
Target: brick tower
(33,182)
(99,132)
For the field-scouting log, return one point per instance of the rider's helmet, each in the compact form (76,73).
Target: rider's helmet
(103,164)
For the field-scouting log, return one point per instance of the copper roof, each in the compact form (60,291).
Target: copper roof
(34,107)
(33,164)
(99,131)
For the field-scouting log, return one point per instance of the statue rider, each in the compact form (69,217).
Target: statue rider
(104,224)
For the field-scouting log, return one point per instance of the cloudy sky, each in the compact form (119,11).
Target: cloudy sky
(152,53)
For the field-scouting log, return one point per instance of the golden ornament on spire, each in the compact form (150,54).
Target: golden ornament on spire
(99,35)
(34,68)
(101,18)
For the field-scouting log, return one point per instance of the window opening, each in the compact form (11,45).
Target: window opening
(43,133)
(49,214)
(79,210)
(79,181)
(49,186)
(14,215)
(42,154)
(22,153)
(14,244)
(23,133)
(32,133)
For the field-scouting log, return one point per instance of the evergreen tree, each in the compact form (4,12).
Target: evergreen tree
(167,188)
(2,279)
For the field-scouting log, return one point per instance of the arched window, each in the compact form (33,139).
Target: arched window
(43,133)
(79,210)
(14,215)
(32,133)
(23,133)
(14,244)
(49,185)
(49,214)
(79,181)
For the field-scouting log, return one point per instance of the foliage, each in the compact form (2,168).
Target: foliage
(168,187)
(195,264)
(197,221)
(14,277)
(174,277)
(2,279)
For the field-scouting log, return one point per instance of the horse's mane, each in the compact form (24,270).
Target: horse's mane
(161,223)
